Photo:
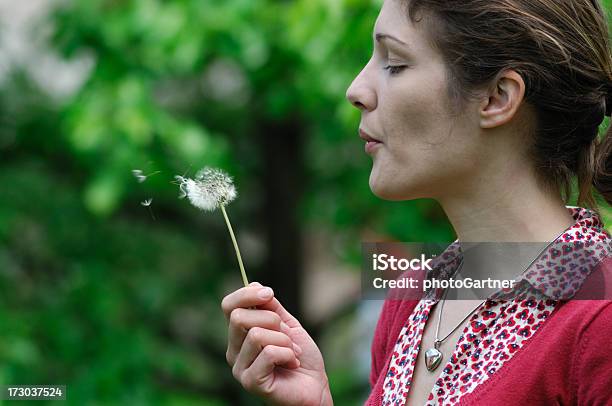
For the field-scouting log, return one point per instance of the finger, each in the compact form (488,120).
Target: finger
(263,366)
(256,340)
(241,320)
(257,284)
(246,297)
(275,306)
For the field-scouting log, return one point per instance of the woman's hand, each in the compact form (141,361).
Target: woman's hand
(270,353)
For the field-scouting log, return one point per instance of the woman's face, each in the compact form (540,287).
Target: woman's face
(423,152)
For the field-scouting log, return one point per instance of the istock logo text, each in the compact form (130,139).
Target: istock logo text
(383,262)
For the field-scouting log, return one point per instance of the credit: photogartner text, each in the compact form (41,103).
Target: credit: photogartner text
(433,283)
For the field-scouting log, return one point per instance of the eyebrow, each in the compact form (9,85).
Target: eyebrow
(381,36)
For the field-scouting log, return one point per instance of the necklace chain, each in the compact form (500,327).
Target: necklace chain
(439,341)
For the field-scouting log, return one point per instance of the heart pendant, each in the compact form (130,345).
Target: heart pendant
(433,357)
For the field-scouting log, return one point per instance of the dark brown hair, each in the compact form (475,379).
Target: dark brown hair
(561,50)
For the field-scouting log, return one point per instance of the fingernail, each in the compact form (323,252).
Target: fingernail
(254,284)
(284,326)
(265,293)
(297,349)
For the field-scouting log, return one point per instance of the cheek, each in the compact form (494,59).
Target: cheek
(421,143)
(414,119)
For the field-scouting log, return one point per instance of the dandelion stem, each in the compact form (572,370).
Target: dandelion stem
(229,226)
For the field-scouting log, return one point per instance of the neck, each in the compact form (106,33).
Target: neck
(512,209)
(506,211)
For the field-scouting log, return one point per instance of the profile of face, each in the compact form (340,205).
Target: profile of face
(426,150)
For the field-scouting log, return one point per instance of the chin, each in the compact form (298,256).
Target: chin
(388,188)
(389,192)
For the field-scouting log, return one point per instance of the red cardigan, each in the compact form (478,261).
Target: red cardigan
(568,361)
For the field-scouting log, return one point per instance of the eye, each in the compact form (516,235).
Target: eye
(394,69)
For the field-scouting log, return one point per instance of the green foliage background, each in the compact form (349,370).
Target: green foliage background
(124,308)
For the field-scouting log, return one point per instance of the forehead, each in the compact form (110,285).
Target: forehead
(392,14)
(393,20)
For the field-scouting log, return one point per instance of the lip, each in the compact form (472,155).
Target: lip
(371,142)
(367,137)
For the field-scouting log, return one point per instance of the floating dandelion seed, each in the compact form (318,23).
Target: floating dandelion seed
(147,203)
(140,176)
(211,189)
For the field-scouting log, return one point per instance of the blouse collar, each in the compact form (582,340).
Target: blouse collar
(557,273)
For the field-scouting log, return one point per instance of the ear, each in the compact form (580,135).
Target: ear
(502,101)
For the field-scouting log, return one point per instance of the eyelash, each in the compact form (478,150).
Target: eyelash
(394,70)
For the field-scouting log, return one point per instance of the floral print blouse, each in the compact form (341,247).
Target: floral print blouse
(498,328)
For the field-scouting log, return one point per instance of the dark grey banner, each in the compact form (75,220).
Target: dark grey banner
(559,270)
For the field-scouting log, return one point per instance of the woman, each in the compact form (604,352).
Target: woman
(491,107)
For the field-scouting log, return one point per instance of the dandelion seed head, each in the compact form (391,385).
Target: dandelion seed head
(210,189)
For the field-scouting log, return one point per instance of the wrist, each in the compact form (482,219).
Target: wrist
(326,397)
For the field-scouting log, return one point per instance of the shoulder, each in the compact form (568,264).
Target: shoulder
(598,285)
(588,317)
(583,317)
(592,362)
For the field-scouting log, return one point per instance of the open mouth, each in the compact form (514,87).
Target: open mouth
(371,143)
(371,146)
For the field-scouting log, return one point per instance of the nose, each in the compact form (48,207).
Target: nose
(361,94)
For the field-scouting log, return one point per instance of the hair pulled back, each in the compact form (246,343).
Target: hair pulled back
(561,50)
